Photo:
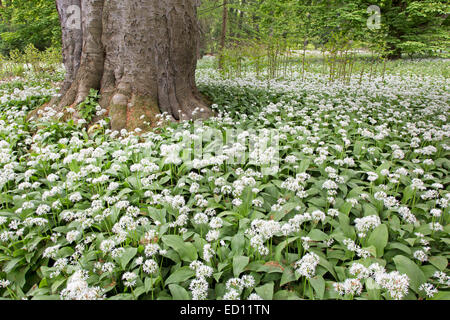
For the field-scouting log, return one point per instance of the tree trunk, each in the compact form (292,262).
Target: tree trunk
(223,34)
(140,54)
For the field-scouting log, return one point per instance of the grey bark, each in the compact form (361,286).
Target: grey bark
(140,54)
(71,47)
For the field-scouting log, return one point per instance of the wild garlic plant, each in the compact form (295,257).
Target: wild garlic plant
(356,206)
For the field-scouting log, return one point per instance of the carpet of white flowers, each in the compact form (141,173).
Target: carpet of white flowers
(358,208)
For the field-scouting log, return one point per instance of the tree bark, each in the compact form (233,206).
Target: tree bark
(223,34)
(140,54)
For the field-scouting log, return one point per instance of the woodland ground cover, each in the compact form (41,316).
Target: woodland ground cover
(356,206)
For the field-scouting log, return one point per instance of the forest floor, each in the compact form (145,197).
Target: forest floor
(300,188)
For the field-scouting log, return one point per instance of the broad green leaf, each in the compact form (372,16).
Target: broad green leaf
(238,243)
(439,262)
(408,193)
(379,239)
(287,276)
(399,246)
(285,295)
(317,235)
(408,267)
(127,255)
(288,207)
(358,147)
(239,264)
(178,292)
(11,264)
(441,295)
(318,283)
(269,267)
(318,202)
(345,208)
(180,275)
(186,250)
(369,209)
(344,224)
(327,265)
(265,291)
(373,289)
(304,165)
(281,246)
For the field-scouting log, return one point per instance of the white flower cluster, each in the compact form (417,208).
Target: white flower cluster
(352,246)
(395,283)
(306,266)
(429,289)
(199,286)
(78,288)
(261,231)
(235,286)
(365,224)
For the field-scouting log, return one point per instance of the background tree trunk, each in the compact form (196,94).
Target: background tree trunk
(223,33)
(140,54)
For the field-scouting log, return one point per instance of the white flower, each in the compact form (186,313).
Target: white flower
(429,289)
(363,225)
(150,266)
(254,296)
(420,255)
(72,236)
(130,279)
(306,266)
(232,294)
(359,271)
(199,289)
(78,288)
(4,283)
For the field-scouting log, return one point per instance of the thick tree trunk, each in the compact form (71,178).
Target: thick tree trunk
(140,54)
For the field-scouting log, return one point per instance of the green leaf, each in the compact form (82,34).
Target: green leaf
(178,292)
(57,284)
(345,208)
(180,275)
(265,291)
(239,264)
(408,193)
(288,207)
(64,252)
(47,297)
(11,264)
(318,202)
(186,250)
(344,224)
(288,276)
(358,147)
(149,283)
(127,255)
(280,247)
(399,246)
(304,165)
(372,289)
(317,235)
(238,243)
(379,239)
(439,262)
(327,265)
(408,267)
(369,209)
(441,295)
(285,295)
(318,283)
